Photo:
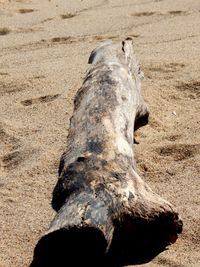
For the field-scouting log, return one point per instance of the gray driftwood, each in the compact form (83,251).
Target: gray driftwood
(106,214)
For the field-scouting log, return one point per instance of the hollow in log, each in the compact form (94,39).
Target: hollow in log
(106,214)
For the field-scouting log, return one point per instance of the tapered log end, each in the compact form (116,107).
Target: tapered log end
(139,240)
(135,241)
(72,247)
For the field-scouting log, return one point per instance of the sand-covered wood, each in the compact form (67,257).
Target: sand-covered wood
(106,214)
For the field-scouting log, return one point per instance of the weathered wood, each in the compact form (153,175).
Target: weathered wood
(106,214)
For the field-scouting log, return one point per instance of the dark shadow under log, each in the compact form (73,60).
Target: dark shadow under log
(106,214)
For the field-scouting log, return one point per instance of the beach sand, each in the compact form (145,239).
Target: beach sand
(44,48)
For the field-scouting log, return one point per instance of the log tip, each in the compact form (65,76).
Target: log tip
(138,240)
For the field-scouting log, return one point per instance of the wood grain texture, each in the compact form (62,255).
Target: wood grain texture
(106,214)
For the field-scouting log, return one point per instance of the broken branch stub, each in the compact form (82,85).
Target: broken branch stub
(106,214)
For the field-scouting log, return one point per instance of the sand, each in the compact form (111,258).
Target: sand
(44,48)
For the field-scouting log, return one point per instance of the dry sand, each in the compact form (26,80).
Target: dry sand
(44,47)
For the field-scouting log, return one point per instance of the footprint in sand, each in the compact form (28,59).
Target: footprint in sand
(192,89)
(38,77)
(42,99)
(67,39)
(178,151)
(12,159)
(177,12)
(12,152)
(143,14)
(8,141)
(9,87)
(26,10)
(46,20)
(68,15)
(4,73)
(4,31)
(167,68)
(8,144)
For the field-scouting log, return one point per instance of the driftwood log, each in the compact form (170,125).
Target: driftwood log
(106,214)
